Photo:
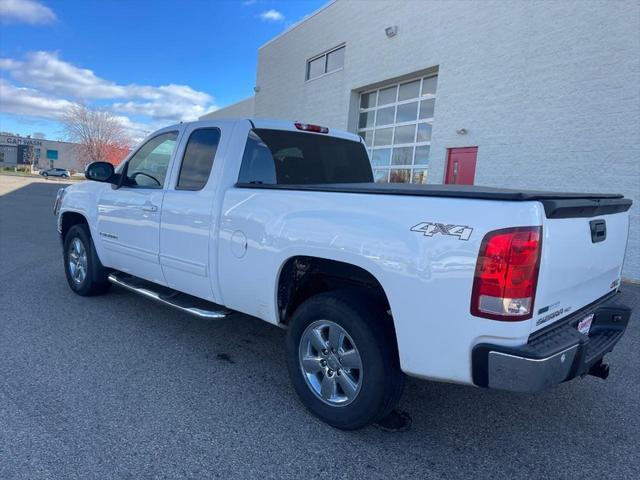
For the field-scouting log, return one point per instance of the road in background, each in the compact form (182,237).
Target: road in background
(119,387)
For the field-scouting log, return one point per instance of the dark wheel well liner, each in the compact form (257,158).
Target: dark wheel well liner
(69,219)
(301,277)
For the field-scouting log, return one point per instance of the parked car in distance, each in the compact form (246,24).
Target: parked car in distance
(55,172)
(487,287)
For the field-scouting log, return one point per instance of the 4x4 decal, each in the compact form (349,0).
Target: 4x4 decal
(429,229)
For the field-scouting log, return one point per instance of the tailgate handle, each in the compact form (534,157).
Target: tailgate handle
(598,230)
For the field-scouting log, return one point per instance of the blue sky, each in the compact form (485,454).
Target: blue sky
(150,62)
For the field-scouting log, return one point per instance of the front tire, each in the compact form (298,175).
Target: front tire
(85,274)
(342,359)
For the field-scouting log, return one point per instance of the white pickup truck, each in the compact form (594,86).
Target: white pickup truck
(495,288)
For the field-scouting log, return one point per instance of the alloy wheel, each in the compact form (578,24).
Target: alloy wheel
(77,261)
(330,363)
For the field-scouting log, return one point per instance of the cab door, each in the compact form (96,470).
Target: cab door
(129,216)
(187,221)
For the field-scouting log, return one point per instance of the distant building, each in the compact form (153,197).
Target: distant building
(16,150)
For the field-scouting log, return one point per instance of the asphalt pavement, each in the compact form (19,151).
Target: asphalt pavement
(116,387)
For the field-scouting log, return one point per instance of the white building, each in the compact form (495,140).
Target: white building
(522,94)
(16,150)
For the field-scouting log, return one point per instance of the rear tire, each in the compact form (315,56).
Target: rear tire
(329,384)
(85,273)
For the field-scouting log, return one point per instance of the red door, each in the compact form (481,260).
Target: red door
(461,165)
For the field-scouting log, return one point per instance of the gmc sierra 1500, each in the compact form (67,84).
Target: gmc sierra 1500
(481,286)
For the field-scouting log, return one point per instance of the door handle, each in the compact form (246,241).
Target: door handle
(150,208)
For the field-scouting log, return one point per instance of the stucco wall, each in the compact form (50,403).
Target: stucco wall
(242,109)
(548,91)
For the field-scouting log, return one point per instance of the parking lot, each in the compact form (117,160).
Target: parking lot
(119,387)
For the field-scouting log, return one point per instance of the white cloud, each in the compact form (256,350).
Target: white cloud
(44,70)
(30,102)
(25,11)
(137,130)
(46,82)
(161,111)
(272,16)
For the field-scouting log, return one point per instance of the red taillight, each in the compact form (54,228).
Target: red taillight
(307,127)
(504,286)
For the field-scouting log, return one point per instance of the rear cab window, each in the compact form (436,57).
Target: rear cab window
(281,157)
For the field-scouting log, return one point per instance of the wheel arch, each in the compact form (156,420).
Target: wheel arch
(300,277)
(70,218)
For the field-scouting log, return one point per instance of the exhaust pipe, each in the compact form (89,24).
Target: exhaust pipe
(600,370)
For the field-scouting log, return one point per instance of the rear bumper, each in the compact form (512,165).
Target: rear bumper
(554,355)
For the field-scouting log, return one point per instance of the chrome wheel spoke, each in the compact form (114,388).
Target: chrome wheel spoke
(335,337)
(348,385)
(328,387)
(317,341)
(351,360)
(311,364)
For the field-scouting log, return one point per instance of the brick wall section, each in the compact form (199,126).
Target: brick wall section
(548,91)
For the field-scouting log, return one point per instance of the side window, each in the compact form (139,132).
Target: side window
(257,162)
(198,159)
(148,166)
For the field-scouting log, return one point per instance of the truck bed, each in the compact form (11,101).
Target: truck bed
(556,204)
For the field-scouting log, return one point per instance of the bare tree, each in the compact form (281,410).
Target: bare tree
(99,134)
(30,156)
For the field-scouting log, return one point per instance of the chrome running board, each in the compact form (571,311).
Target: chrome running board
(173,298)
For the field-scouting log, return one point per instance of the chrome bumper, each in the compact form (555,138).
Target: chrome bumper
(58,201)
(554,355)
(56,209)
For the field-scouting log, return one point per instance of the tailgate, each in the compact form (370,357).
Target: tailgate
(583,252)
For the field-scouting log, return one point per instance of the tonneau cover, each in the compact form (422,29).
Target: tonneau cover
(556,204)
(460,191)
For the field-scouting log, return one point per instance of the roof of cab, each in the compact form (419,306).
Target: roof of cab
(273,124)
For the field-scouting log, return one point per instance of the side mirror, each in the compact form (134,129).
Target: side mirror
(100,172)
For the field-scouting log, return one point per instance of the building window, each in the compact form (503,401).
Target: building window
(52,154)
(395,122)
(326,63)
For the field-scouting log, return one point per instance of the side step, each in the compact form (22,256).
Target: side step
(182,301)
